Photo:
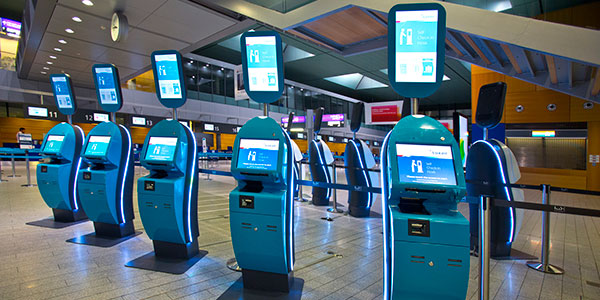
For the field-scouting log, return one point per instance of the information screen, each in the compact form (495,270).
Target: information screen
(37,111)
(464,138)
(62,92)
(167,69)
(261,53)
(53,143)
(416,46)
(161,148)
(100,117)
(138,121)
(258,154)
(107,87)
(426,164)
(97,145)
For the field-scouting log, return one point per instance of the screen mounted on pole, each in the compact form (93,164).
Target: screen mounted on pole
(63,93)
(168,78)
(262,65)
(108,87)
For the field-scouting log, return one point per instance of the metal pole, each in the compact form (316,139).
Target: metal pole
(334,209)
(485,133)
(12,161)
(70,119)
(1,180)
(414,106)
(300,196)
(175,114)
(544,265)
(113,117)
(28,171)
(266,111)
(484,247)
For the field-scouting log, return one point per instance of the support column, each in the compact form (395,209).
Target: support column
(593,148)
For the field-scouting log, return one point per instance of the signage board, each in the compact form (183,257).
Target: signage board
(383,113)
(168,78)
(108,87)
(63,93)
(262,65)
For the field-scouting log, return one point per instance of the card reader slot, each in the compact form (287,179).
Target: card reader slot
(418,190)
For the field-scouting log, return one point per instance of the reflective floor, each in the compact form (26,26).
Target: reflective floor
(37,263)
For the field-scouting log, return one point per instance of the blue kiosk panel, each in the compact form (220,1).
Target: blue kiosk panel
(261,206)
(105,186)
(169,194)
(426,240)
(57,173)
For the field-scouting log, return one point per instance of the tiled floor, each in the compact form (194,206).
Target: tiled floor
(37,263)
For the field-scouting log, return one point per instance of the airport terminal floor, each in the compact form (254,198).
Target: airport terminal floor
(339,259)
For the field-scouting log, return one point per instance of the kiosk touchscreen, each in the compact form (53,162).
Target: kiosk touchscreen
(106,185)
(261,206)
(426,239)
(57,173)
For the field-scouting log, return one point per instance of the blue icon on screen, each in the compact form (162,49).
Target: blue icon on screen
(175,88)
(271,78)
(427,67)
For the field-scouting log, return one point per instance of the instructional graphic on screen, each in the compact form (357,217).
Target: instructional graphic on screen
(168,76)
(106,86)
(425,164)
(262,63)
(258,154)
(416,46)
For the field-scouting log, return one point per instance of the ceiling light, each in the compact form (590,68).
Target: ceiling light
(49,62)
(45,68)
(445,78)
(62,41)
(87,2)
(69,30)
(207,65)
(356,81)
(77,19)
(44,72)
(222,69)
(57,49)
(52,56)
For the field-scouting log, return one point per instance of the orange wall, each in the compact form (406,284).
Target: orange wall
(535,99)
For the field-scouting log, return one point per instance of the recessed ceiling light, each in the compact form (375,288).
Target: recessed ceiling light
(69,30)
(57,49)
(49,62)
(62,41)
(87,2)
(52,56)
(44,72)
(77,19)
(45,68)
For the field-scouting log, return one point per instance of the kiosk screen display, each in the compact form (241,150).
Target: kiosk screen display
(62,92)
(161,148)
(53,143)
(97,145)
(428,164)
(416,46)
(258,154)
(167,70)
(261,55)
(106,86)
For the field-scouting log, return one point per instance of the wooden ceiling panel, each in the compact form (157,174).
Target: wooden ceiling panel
(348,26)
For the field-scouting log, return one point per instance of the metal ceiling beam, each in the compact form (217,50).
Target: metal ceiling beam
(454,48)
(476,48)
(551,69)
(596,83)
(511,58)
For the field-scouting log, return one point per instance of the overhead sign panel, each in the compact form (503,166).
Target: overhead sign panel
(416,53)
(262,64)
(108,87)
(63,93)
(383,112)
(168,78)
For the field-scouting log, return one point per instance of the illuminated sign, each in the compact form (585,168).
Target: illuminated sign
(262,65)
(209,127)
(10,27)
(168,78)
(41,112)
(99,117)
(543,133)
(138,121)
(383,112)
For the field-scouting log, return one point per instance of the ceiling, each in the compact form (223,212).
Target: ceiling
(153,25)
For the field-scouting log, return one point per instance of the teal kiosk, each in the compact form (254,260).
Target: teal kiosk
(58,172)
(262,205)
(426,239)
(105,186)
(168,196)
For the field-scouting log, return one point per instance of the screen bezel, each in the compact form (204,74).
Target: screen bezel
(416,89)
(237,162)
(158,160)
(88,144)
(169,102)
(116,79)
(68,110)
(422,183)
(263,96)
(62,143)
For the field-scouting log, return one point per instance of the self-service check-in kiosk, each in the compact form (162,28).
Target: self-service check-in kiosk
(320,159)
(262,205)
(106,185)
(57,174)
(426,239)
(168,196)
(358,159)
(491,167)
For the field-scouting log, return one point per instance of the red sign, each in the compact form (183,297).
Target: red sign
(385,113)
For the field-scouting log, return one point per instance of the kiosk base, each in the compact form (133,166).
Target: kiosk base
(62,218)
(359,212)
(94,239)
(267,281)
(169,257)
(114,230)
(237,291)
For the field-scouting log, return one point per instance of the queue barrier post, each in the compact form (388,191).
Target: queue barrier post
(28,171)
(12,161)
(544,264)
(1,180)
(485,213)
(300,196)
(334,209)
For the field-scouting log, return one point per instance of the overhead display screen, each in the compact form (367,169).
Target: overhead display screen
(167,72)
(100,117)
(427,164)
(138,121)
(161,148)
(41,112)
(97,145)
(261,53)
(258,154)
(53,143)
(106,85)
(62,92)
(416,46)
